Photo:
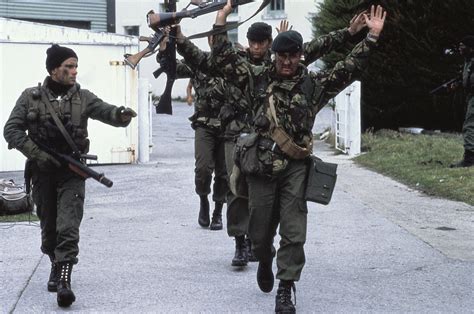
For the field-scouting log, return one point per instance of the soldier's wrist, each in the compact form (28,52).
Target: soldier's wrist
(372,37)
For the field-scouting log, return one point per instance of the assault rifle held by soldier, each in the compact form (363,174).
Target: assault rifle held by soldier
(76,166)
(157,21)
(446,85)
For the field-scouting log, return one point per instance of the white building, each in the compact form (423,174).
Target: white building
(131,19)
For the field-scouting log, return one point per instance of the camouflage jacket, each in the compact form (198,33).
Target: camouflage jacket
(238,102)
(295,108)
(468,76)
(209,90)
(30,117)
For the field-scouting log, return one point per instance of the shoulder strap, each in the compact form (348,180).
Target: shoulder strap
(59,124)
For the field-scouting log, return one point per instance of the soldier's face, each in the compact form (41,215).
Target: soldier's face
(286,63)
(66,73)
(258,49)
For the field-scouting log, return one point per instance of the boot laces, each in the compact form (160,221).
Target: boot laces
(285,294)
(65,272)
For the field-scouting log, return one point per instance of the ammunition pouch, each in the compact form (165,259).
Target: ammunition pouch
(246,154)
(321,180)
(202,121)
(226,114)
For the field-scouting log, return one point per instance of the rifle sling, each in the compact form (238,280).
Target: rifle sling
(59,124)
(228,26)
(282,139)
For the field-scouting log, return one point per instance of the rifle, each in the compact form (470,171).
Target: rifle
(445,85)
(167,61)
(76,166)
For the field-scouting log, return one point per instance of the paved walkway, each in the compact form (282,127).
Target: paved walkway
(378,247)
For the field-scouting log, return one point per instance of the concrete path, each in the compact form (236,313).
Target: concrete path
(378,247)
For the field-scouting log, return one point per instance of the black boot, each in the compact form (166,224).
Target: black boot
(53,276)
(204,212)
(467,161)
(240,257)
(283,303)
(65,294)
(216,223)
(265,277)
(250,254)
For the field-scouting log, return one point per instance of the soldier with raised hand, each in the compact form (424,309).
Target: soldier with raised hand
(287,100)
(58,192)
(208,142)
(466,49)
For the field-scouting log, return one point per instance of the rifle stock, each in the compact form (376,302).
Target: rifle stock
(153,42)
(445,85)
(76,166)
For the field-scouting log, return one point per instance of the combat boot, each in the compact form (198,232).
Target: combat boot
(265,277)
(251,256)
(283,303)
(204,212)
(467,161)
(65,295)
(53,276)
(240,257)
(216,223)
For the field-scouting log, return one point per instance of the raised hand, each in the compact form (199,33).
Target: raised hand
(376,20)
(357,23)
(222,14)
(283,26)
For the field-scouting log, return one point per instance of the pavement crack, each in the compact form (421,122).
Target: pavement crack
(26,284)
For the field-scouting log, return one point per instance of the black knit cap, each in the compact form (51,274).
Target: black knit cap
(56,56)
(259,31)
(468,41)
(290,41)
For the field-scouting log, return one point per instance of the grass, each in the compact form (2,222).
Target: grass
(19,217)
(421,162)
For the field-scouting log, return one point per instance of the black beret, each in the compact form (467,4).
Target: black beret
(468,41)
(56,56)
(290,41)
(259,31)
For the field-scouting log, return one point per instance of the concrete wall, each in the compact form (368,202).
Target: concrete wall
(22,62)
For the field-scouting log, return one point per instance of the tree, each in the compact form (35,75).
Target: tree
(409,62)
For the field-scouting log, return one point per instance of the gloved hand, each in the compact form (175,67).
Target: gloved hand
(126,114)
(45,161)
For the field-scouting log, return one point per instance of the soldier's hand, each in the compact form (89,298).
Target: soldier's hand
(376,20)
(46,162)
(357,23)
(283,27)
(224,13)
(127,114)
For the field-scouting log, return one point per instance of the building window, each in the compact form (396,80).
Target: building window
(277,5)
(276,10)
(133,30)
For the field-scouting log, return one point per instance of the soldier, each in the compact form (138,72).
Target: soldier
(208,142)
(238,113)
(57,192)
(466,49)
(286,98)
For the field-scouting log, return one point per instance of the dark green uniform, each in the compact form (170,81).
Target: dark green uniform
(57,192)
(239,111)
(276,195)
(208,140)
(468,126)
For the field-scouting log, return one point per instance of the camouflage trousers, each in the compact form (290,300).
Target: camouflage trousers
(59,199)
(280,201)
(237,207)
(210,158)
(468,126)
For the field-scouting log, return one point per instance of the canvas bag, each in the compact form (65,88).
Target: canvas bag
(13,199)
